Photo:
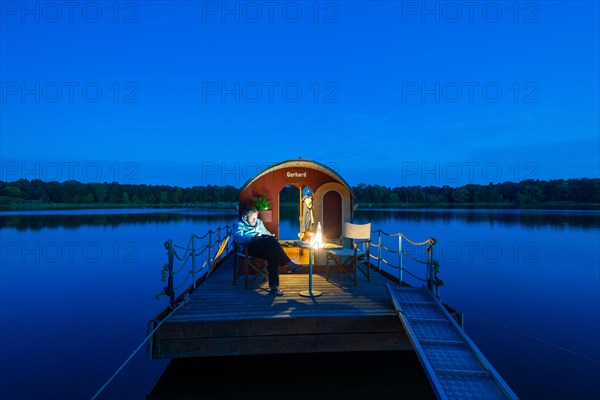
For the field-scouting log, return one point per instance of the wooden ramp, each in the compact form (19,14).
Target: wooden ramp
(223,319)
(454,366)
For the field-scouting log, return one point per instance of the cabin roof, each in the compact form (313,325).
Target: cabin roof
(300,163)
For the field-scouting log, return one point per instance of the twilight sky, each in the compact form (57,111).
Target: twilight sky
(384,92)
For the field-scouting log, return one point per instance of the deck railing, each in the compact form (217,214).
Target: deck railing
(201,255)
(406,249)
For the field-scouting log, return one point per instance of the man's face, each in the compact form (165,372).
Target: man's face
(252,217)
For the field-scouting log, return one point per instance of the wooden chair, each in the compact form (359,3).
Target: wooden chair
(245,264)
(347,260)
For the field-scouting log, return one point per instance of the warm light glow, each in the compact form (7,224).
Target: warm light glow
(319,237)
(311,238)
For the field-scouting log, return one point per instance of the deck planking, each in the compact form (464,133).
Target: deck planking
(225,319)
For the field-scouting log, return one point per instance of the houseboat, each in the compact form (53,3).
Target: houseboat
(351,299)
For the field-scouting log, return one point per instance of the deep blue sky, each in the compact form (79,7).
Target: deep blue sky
(392,93)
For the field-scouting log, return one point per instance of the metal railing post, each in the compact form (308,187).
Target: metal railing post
(434,269)
(168,273)
(400,266)
(193,262)
(170,255)
(229,244)
(429,267)
(400,261)
(209,246)
(218,244)
(227,234)
(379,250)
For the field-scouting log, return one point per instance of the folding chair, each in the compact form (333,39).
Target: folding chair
(245,264)
(347,260)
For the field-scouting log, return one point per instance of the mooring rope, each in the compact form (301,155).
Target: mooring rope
(515,331)
(185,300)
(529,336)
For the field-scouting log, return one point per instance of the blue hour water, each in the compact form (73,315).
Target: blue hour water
(77,287)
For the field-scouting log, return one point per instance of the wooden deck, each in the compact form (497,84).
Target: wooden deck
(224,319)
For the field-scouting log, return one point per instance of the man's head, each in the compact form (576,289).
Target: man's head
(250,215)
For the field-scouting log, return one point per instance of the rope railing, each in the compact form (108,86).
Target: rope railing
(205,254)
(188,276)
(187,256)
(386,262)
(183,264)
(390,250)
(203,236)
(415,276)
(204,248)
(403,236)
(432,265)
(415,259)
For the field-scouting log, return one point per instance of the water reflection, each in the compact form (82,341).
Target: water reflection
(108,218)
(509,217)
(529,218)
(65,303)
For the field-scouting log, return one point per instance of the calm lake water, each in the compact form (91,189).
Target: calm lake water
(77,287)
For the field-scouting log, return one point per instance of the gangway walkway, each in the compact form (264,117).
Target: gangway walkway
(454,366)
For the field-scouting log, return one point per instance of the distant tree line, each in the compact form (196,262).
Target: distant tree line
(529,192)
(74,192)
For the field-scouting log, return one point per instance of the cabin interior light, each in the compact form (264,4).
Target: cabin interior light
(319,235)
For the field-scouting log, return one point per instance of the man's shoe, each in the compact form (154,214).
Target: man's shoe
(294,267)
(276,292)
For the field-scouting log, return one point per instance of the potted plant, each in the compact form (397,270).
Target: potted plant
(263,205)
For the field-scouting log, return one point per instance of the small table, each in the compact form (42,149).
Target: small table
(309,292)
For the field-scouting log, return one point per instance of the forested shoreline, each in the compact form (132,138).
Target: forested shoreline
(38,194)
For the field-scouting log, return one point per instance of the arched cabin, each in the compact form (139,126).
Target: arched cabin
(332,198)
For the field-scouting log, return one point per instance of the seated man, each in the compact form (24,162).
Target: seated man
(251,231)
